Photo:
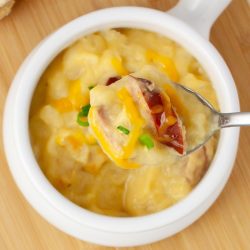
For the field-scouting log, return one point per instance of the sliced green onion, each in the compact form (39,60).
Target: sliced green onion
(85,110)
(82,116)
(85,124)
(91,87)
(146,140)
(123,130)
(82,122)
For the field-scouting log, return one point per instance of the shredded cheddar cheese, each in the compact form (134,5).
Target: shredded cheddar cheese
(77,98)
(59,140)
(76,138)
(62,105)
(90,139)
(74,101)
(74,141)
(177,102)
(106,146)
(166,64)
(118,66)
(171,120)
(135,119)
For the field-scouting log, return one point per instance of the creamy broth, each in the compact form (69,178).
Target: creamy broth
(69,154)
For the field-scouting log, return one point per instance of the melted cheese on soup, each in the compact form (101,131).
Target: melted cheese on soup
(69,154)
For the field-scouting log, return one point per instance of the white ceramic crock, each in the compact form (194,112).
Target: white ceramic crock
(83,224)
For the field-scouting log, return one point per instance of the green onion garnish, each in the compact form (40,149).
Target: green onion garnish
(123,130)
(81,117)
(146,140)
(82,120)
(91,87)
(85,110)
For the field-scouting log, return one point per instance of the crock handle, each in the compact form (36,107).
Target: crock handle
(200,14)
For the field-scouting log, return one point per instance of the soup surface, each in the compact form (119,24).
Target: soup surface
(66,148)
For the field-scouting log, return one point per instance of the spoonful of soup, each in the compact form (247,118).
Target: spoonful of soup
(138,122)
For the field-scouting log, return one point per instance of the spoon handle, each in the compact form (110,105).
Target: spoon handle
(234,119)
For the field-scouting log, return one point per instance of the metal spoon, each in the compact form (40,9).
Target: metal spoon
(216,119)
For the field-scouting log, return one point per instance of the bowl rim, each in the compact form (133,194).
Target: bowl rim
(18,103)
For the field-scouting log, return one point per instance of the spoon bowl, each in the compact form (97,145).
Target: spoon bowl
(215,119)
